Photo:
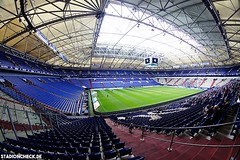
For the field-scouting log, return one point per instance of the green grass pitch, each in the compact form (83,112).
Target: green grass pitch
(121,99)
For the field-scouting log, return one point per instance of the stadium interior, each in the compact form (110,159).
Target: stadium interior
(120,79)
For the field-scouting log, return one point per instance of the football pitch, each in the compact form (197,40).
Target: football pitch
(128,98)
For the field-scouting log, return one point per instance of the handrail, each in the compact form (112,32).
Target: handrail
(49,116)
(21,110)
(196,145)
(143,128)
(9,100)
(178,128)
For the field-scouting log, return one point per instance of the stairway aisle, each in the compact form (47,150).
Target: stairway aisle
(153,149)
(149,148)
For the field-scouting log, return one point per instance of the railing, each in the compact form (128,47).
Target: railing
(14,119)
(174,129)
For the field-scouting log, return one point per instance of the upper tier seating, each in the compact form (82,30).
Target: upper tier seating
(11,62)
(15,63)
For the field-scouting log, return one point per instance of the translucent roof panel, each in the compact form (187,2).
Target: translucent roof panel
(121,33)
(148,34)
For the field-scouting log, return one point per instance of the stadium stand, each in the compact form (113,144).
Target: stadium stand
(89,80)
(193,82)
(207,108)
(64,95)
(54,92)
(67,95)
(122,82)
(19,64)
(85,138)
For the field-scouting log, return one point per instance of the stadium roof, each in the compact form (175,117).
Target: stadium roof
(112,34)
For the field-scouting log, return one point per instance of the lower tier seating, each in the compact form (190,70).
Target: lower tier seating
(89,138)
(208,108)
